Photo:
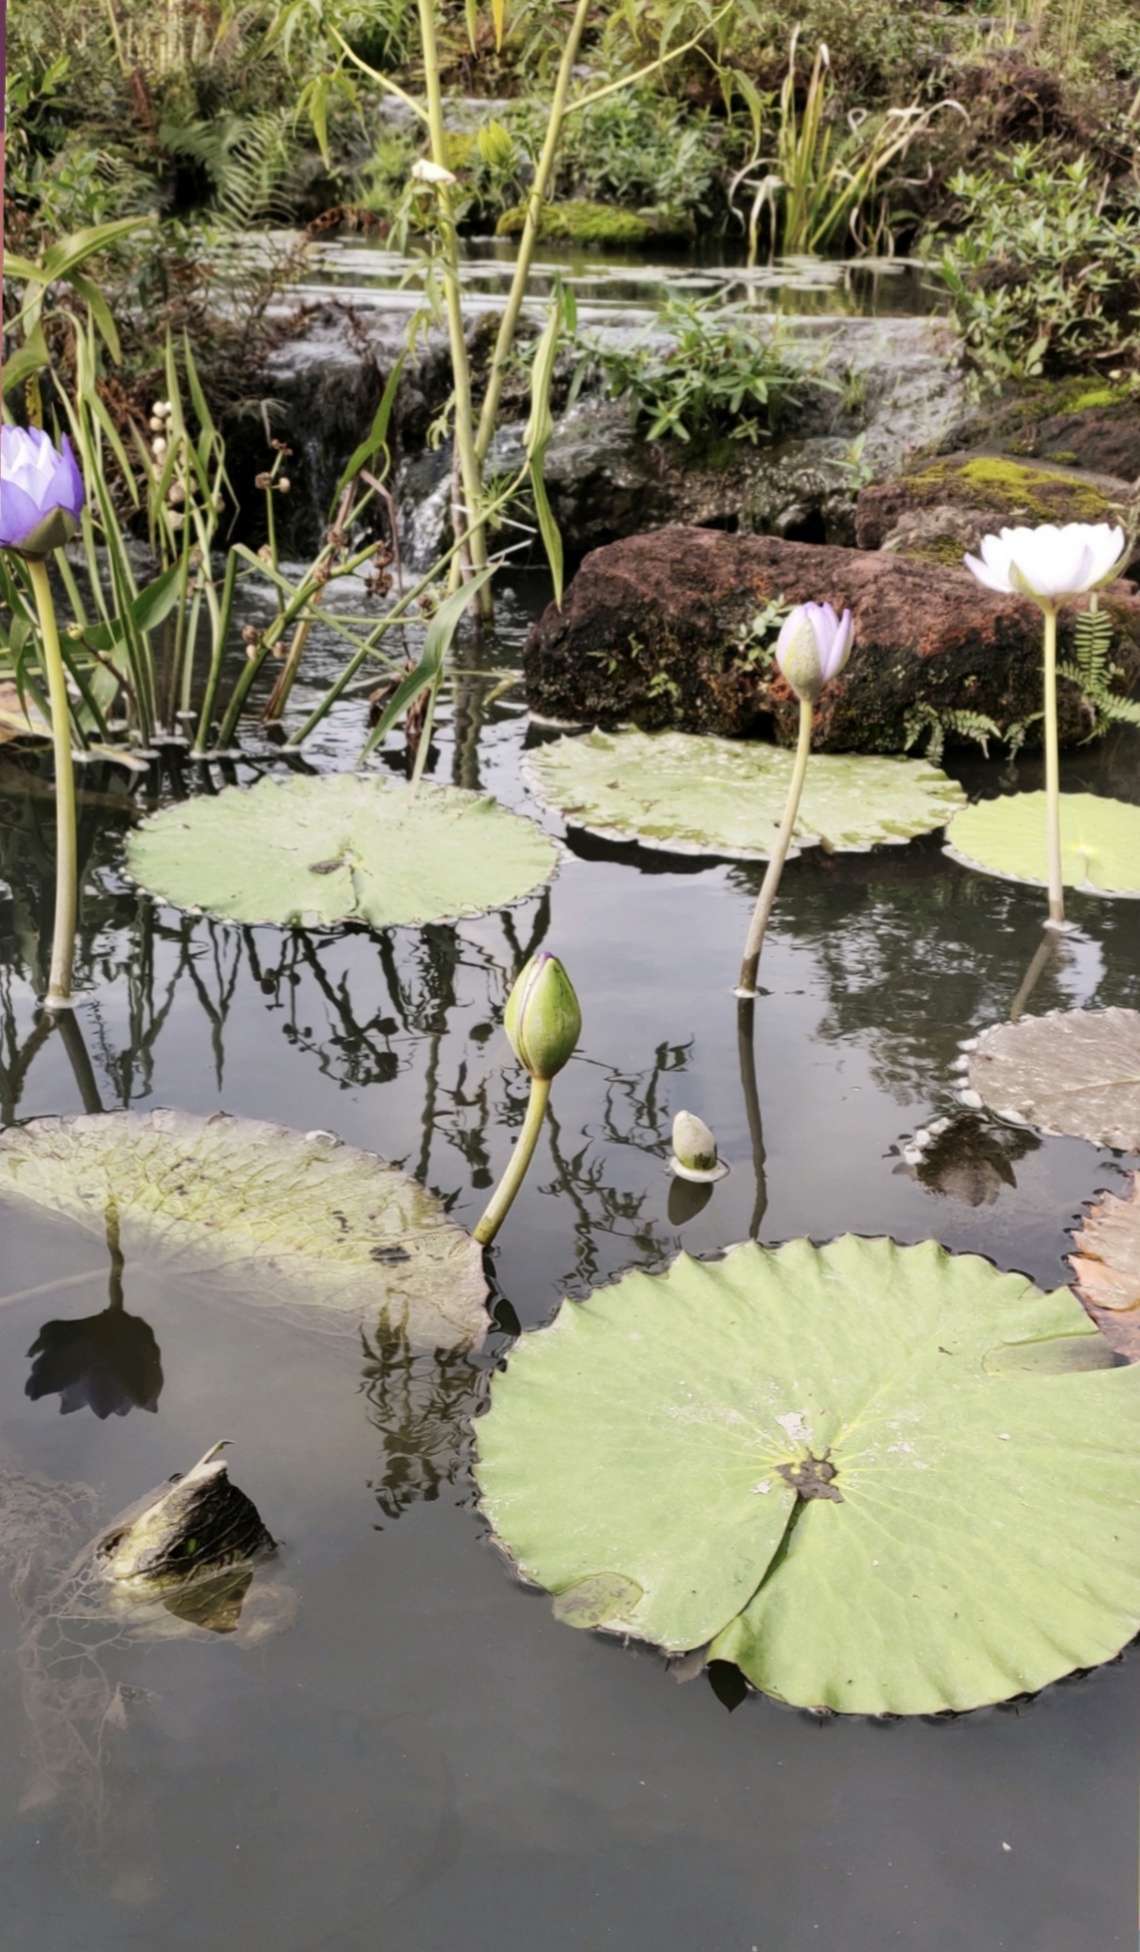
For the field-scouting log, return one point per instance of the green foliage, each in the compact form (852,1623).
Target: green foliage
(1091,669)
(1045,274)
(938,724)
(701,372)
(580,222)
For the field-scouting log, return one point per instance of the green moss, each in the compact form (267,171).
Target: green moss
(995,481)
(578,221)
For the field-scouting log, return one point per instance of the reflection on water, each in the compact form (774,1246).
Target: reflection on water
(424,1743)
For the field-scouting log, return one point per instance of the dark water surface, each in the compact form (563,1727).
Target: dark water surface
(421,1758)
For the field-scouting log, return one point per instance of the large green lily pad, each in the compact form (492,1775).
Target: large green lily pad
(1100,841)
(1072,1073)
(291,1219)
(878,1478)
(691,794)
(1106,1267)
(344,847)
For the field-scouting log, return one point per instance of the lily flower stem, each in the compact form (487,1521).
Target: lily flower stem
(502,1199)
(767,896)
(1052,773)
(66,836)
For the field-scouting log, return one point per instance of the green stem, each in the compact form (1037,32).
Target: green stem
(66,836)
(767,895)
(508,324)
(1052,773)
(470,471)
(503,1196)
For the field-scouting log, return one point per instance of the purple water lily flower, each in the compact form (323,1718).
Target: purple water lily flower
(813,646)
(41,491)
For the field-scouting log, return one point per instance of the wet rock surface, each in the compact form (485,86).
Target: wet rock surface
(656,631)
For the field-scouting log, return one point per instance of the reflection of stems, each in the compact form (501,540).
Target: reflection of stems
(767,895)
(1052,771)
(66,838)
(503,1196)
(1045,952)
(746,1051)
(115,1277)
(79,1058)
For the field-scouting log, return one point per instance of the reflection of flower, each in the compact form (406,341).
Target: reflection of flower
(1049,562)
(109,1362)
(41,491)
(967,1158)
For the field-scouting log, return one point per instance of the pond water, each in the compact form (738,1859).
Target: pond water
(615,287)
(421,1757)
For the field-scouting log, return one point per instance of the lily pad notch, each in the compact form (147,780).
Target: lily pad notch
(879,1479)
(692,793)
(313,852)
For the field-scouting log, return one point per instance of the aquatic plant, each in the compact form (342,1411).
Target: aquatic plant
(1049,565)
(1106,1266)
(41,501)
(543,1021)
(880,1479)
(1071,1073)
(813,646)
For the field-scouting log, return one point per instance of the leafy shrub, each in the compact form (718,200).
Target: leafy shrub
(700,373)
(579,221)
(1044,276)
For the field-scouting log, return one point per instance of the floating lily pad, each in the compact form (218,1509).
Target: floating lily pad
(691,794)
(1072,1073)
(343,847)
(290,1219)
(1106,1268)
(880,1479)
(1100,841)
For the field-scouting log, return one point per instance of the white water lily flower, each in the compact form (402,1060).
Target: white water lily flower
(1047,563)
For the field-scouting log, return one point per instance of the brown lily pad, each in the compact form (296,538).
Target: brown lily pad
(1106,1268)
(1072,1073)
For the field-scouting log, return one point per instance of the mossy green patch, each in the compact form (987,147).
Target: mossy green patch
(1009,487)
(578,221)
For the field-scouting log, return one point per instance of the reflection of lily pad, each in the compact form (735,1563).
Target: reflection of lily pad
(692,794)
(340,848)
(1073,1073)
(1100,841)
(1106,1268)
(288,1218)
(880,1479)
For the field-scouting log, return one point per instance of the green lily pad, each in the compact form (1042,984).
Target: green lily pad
(344,847)
(1100,841)
(691,794)
(1072,1073)
(1106,1267)
(290,1219)
(880,1479)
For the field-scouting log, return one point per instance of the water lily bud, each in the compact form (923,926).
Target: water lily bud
(543,1019)
(41,492)
(813,646)
(694,1149)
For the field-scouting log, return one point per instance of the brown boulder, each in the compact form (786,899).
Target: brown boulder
(656,631)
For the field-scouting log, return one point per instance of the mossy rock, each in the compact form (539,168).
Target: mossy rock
(1084,421)
(942,507)
(579,221)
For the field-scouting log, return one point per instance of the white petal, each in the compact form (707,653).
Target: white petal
(994,579)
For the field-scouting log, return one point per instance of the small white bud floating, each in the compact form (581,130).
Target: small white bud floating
(813,646)
(694,1150)
(1048,564)
(543,1021)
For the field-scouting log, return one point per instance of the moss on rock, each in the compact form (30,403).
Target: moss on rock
(1009,487)
(579,221)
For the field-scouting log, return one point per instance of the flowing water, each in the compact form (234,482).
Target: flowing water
(421,1757)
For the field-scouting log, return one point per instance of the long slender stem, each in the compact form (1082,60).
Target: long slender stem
(470,471)
(771,882)
(503,1196)
(66,836)
(508,324)
(1053,774)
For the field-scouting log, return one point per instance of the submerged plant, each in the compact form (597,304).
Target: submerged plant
(1048,564)
(813,646)
(543,1021)
(41,501)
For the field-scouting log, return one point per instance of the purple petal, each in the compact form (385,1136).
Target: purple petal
(18,515)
